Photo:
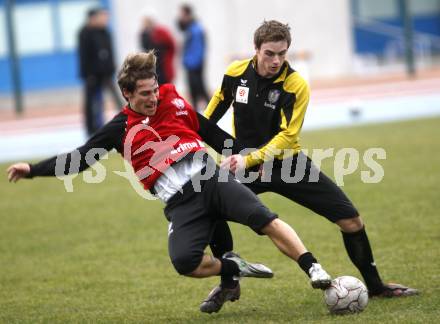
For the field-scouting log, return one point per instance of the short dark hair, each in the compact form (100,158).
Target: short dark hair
(94,11)
(187,9)
(272,31)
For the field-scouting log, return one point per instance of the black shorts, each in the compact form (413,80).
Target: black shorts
(193,216)
(323,196)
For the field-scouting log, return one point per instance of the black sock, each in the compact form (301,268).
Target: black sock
(305,262)
(228,282)
(229,268)
(221,239)
(359,250)
(221,242)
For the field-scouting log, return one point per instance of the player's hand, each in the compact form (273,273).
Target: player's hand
(261,172)
(17,171)
(234,163)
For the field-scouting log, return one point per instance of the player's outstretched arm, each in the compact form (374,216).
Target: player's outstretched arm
(18,171)
(105,139)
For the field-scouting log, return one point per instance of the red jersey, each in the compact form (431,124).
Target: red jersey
(153,143)
(166,48)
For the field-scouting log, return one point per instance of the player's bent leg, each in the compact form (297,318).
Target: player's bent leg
(287,241)
(221,242)
(208,267)
(221,239)
(285,238)
(230,264)
(253,213)
(185,262)
(328,200)
(359,250)
(229,288)
(350,225)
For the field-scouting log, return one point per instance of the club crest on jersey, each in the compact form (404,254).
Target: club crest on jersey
(273,96)
(180,104)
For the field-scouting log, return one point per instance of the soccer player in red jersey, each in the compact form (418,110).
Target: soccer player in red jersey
(158,133)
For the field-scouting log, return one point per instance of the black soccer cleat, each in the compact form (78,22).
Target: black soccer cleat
(393,290)
(218,296)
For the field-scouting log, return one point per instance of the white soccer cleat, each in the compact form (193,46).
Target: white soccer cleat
(319,278)
(247,269)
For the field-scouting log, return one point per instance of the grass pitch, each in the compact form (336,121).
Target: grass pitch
(99,254)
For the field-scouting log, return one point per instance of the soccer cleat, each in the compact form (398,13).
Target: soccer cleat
(395,290)
(319,278)
(247,269)
(218,296)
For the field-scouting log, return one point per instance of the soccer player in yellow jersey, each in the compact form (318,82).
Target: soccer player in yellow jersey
(269,100)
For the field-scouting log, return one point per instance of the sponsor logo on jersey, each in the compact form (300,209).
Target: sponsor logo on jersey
(243,82)
(242,95)
(180,104)
(186,146)
(146,121)
(269,105)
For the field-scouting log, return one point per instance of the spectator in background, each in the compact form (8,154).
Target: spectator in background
(97,67)
(194,49)
(158,37)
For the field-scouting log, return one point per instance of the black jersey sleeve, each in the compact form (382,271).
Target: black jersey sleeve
(215,137)
(108,137)
(224,96)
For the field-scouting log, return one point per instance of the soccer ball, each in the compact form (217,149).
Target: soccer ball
(346,295)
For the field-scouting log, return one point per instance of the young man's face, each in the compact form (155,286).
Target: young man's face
(145,97)
(270,58)
(148,23)
(183,19)
(101,19)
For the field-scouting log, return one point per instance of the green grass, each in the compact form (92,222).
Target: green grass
(99,254)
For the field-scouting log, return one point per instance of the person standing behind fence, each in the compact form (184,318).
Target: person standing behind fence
(158,37)
(194,50)
(97,67)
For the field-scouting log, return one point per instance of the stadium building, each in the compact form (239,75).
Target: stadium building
(358,37)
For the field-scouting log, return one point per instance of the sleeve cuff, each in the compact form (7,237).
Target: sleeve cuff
(252,159)
(30,175)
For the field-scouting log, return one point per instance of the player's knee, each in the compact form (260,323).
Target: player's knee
(186,263)
(350,225)
(263,221)
(271,227)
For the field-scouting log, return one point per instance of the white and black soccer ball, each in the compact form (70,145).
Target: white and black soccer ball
(346,295)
